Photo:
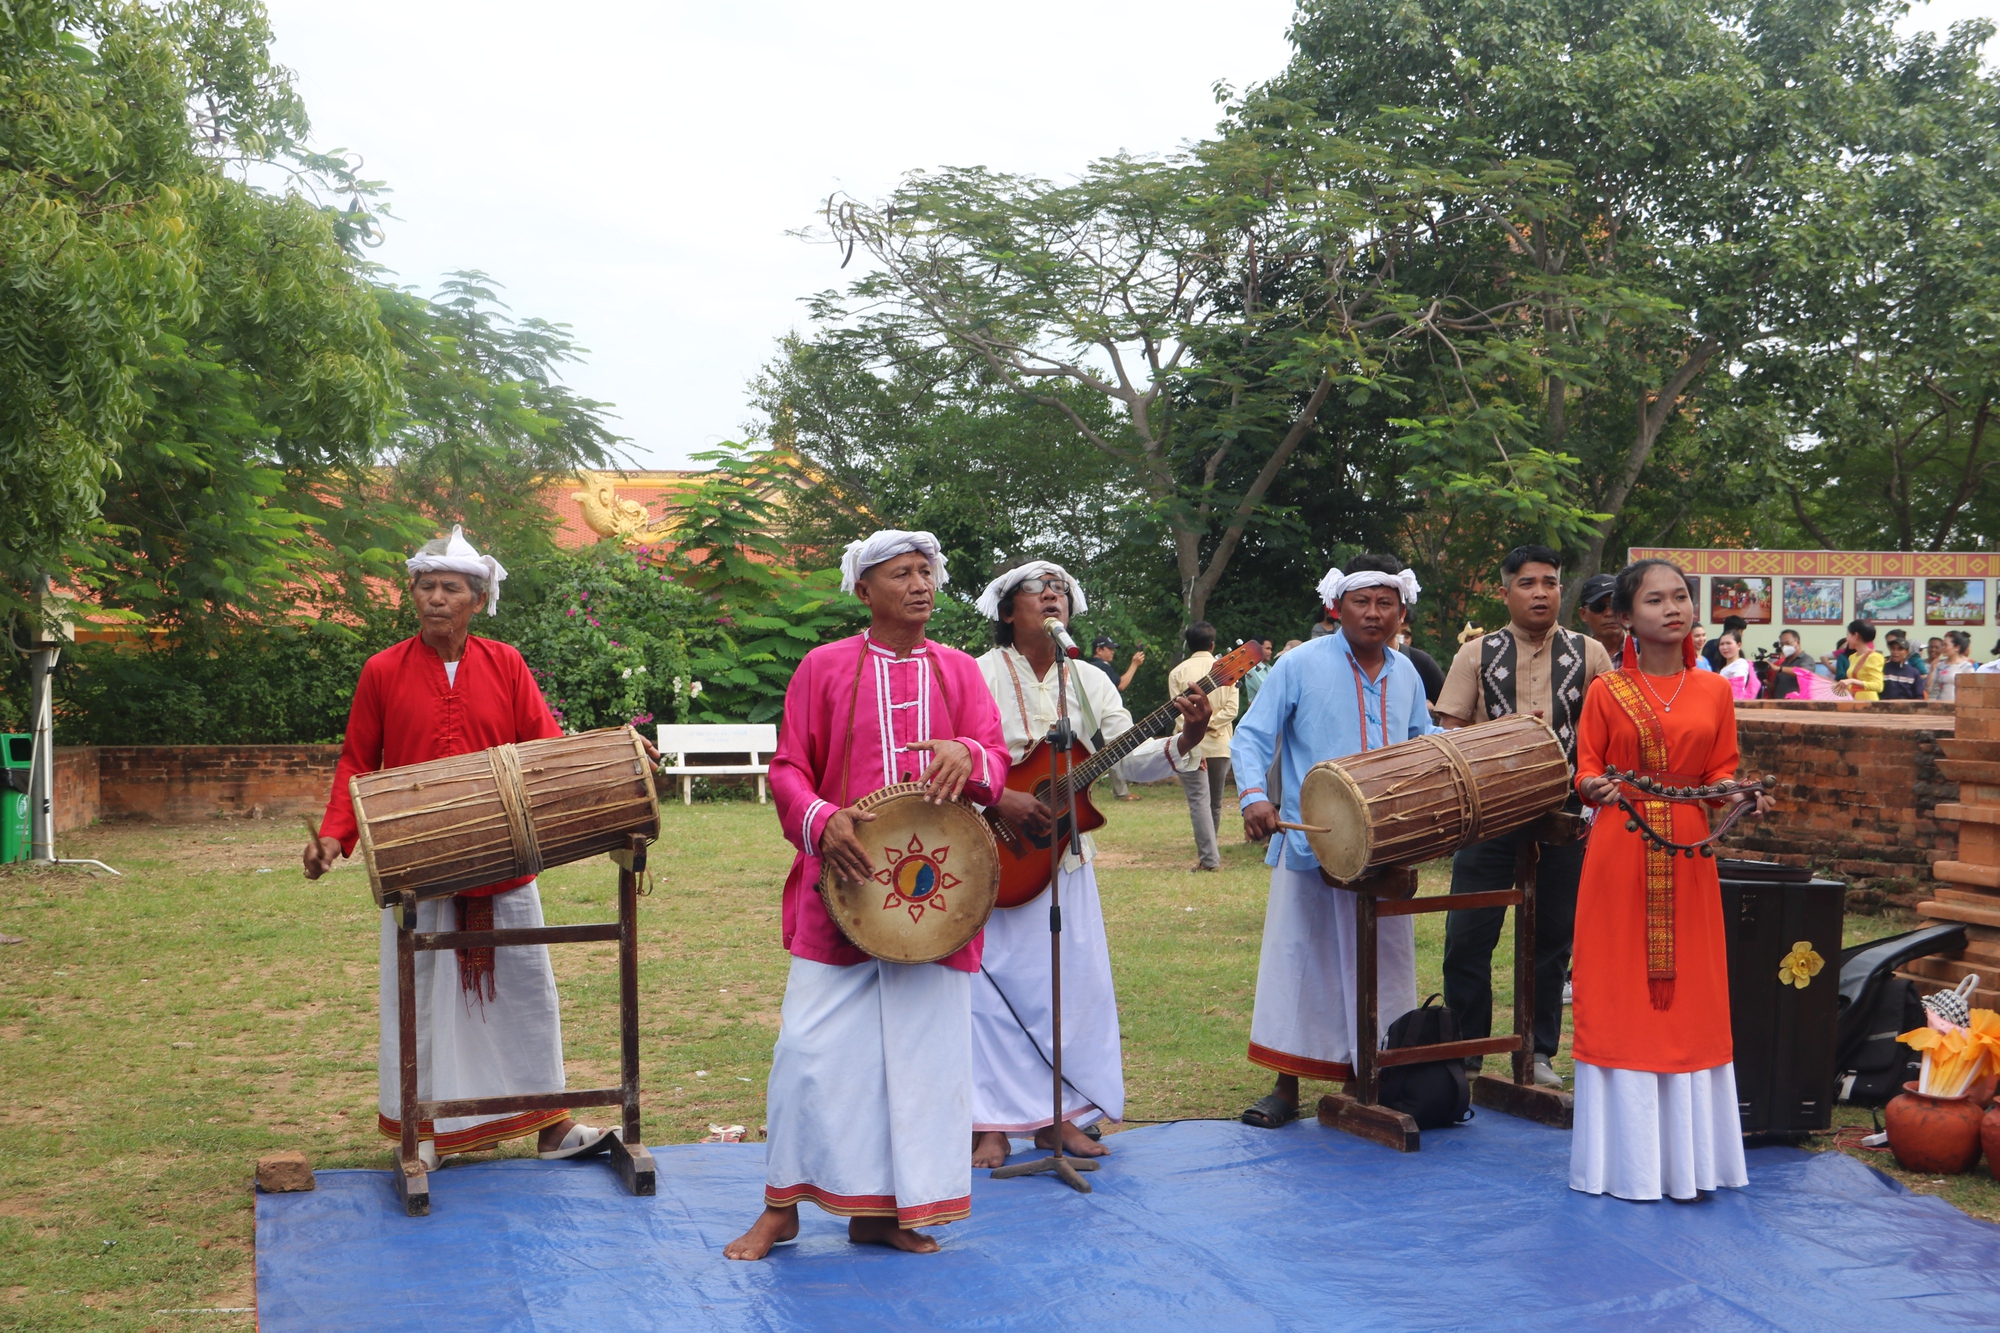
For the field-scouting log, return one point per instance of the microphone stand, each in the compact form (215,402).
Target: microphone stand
(1060,738)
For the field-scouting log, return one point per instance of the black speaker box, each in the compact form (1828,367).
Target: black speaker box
(1784,1035)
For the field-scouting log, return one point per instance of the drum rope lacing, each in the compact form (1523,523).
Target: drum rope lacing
(1472,813)
(505,761)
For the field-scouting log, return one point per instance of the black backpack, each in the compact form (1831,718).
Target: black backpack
(1436,1094)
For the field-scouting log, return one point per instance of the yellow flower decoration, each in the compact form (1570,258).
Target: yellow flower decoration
(1800,966)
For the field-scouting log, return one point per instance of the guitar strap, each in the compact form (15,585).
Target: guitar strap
(1021,700)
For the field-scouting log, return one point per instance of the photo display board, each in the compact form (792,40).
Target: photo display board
(1819,592)
(1886,601)
(1749,597)
(1815,602)
(1954,601)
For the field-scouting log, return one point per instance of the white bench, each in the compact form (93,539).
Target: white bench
(679,742)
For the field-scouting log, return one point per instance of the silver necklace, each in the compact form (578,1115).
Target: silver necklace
(1668,705)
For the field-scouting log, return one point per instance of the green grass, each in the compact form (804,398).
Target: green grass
(164,1029)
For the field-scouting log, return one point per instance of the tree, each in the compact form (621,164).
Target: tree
(1894,392)
(104,176)
(1215,301)
(485,418)
(1698,180)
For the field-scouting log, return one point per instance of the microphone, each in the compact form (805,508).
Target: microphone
(1061,636)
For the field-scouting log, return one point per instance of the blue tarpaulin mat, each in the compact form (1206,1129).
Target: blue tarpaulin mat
(1202,1226)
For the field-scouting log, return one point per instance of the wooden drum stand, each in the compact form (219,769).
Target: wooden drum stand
(1391,892)
(628,1154)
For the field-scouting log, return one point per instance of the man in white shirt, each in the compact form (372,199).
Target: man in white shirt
(1011,1015)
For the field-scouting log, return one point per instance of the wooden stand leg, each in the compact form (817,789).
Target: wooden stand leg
(628,1152)
(412,1181)
(1525,862)
(1355,1109)
(1520,1096)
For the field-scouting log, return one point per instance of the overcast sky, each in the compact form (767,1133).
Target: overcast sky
(632,169)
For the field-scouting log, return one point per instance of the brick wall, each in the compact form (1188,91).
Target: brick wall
(76,787)
(177,783)
(1858,785)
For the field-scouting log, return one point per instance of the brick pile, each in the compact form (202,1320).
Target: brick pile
(1859,794)
(1968,887)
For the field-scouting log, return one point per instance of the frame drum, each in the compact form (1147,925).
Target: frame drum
(1428,797)
(469,820)
(937,877)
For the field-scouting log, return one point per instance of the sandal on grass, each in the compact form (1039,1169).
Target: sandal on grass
(1270,1112)
(581,1141)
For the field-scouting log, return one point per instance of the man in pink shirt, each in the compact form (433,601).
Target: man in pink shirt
(870,1099)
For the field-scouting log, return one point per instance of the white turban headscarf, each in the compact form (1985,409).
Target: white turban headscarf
(989,601)
(458,557)
(1336,584)
(869,552)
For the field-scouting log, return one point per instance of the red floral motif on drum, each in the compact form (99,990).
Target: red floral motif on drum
(916,878)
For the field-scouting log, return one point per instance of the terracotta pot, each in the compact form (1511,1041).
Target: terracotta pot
(1989,1138)
(1934,1135)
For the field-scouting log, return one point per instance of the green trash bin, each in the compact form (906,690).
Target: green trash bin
(17,760)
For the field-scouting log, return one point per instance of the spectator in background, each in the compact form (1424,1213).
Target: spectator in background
(1916,660)
(1593,608)
(1204,785)
(1712,653)
(1101,653)
(1736,668)
(1957,658)
(1533,665)
(1785,664)
(1700,636)
(1427,668)
(1327,623)
(1246,689)
(1933,654)
(1902,675)
(1863,678)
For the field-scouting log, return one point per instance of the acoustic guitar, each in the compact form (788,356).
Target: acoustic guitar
(1025,857)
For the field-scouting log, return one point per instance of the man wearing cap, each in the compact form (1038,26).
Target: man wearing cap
(870,1099)
(1012,1027)
(1533,665)
(1101,653)
(489,1024)
(1593,608)
(1340,694)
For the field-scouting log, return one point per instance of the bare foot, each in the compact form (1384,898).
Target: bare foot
(1075,1142)
(884,1231)
(772,1225)
(989,1148)
(551,1138)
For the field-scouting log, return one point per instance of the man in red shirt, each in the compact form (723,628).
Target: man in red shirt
(490,1025)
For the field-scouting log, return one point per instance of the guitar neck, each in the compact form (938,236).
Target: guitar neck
(1155,724)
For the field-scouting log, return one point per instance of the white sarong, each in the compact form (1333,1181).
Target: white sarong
(511,1043)
(870,1100)
(1640,1134)
(1304,1020)
(1013,1088)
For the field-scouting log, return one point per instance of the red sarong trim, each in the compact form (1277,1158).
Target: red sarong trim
(483,1135)
(1300,1066)
(870,1205)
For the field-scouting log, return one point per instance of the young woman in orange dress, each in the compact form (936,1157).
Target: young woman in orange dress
(1656,1106)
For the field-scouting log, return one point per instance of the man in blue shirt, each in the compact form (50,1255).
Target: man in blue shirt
(1333,696)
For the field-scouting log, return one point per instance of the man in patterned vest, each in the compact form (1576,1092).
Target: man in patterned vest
(1532,666)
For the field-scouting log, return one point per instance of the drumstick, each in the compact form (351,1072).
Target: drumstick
(312,829)
(1304,828)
